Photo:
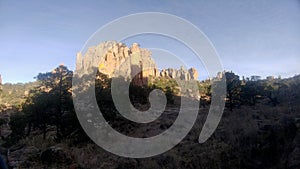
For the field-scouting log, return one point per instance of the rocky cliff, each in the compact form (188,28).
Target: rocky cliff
(181,73)
(114,59)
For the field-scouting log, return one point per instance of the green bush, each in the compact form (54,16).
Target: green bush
(18,122)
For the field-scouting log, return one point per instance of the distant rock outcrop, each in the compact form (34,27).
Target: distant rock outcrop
(181,73)
(113,59)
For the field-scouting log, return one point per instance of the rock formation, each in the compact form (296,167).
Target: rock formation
(194,73)
(115,59)
(181,73)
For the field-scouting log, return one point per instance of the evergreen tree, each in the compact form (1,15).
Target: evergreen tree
(233,89)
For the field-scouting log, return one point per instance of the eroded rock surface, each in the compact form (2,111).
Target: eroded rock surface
(114,59)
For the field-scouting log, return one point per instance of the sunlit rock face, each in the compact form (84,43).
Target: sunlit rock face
(182,73)
(134,63)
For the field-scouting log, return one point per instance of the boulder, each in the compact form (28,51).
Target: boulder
(53,155)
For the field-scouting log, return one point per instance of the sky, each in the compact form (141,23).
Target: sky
(252,37)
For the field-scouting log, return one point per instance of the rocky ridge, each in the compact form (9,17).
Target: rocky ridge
(114,59)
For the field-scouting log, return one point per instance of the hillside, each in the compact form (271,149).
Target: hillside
(15,94)
(260,126)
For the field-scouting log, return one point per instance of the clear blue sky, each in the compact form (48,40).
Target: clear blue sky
(252,37)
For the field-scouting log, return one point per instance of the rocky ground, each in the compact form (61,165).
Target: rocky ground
(258,136)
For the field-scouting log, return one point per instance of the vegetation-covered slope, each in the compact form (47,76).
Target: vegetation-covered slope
(259,128)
